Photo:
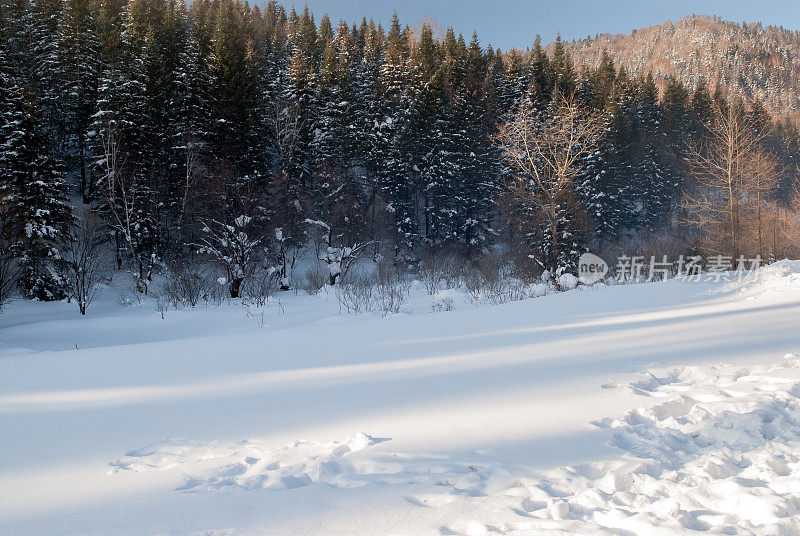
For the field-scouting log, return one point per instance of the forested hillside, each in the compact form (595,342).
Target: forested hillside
(233,135)
(752,61)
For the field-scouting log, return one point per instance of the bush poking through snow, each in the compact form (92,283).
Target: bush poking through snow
(440,271)
(392,289)
(315,278)
(185,283)
(445,304)
(355,296)
(383,291)
(8,272)
(262,286)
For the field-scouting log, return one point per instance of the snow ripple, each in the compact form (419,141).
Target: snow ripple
(718,454)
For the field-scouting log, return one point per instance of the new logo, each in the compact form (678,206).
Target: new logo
(591,268)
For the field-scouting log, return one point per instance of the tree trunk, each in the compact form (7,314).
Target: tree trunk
(760,238)
(118,243)
(553,242)
(235,287)
(733,221)
(86,189)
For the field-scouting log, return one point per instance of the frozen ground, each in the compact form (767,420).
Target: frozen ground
(663,408)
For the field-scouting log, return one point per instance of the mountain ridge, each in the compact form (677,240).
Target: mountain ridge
(750,60)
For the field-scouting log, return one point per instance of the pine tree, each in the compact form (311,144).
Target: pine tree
(650,177)
(78,60)
(337,198)
(19,35)
(517,82)
(604,181)
(47,70)
(675,104)
(292,112)
(425,140)
(233,95)
(125,161)
(392,161)
(564,78)
(8,94)
(702,106)
(32,193)
(479,175)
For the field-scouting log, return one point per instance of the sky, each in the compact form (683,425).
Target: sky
(510,24)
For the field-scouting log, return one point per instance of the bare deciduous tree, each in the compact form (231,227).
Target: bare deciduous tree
(721,164)
(546,150)
(761,176)
(193,172)
(84,260)
(123,195)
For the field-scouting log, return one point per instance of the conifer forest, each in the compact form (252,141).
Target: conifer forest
(222,134)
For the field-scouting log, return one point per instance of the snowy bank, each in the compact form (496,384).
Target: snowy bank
(660,408)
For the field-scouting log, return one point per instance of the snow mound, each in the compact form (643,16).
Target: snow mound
(568,281)
(249,464)
(773,279)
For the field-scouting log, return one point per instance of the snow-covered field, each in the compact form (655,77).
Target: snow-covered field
(661,408)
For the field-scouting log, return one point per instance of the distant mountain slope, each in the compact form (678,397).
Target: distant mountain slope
(751,61)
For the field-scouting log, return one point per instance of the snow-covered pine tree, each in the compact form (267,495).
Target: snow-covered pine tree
(564,76)
(481,173)
(188,130)
(427,139)
(33,192)
(597,186)
(650,174)
(701,106)
(79,56)
(336,196)
(392,164)
(47,69)
(541,79)
(233,94)
(367,116)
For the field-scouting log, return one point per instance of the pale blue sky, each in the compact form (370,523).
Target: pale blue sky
(514,23)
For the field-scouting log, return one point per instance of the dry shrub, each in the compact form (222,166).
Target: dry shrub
(441,269)
(383,290)
(8,272)
(316,278)
(490,280)
(445,304)
(355,293)
(648,245)
(261,287)
(185,283)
